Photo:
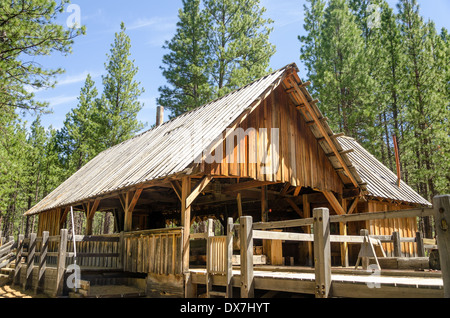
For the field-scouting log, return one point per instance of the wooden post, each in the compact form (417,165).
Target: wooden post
(209,233)
(229,256)
(322,252)
(18,262)
(185,221)
(419,244)
(343,231)
(441,206)
(61,262)
(42,259)
(246,238)
(264,205)
(121,251)
(239,204)
(30,259)
(364,259)
(397,244)
(307,214)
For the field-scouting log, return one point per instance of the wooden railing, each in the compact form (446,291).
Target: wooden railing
(7,247)
(322,238)
(219,254)
(152,251)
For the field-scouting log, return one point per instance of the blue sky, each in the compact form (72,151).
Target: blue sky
(149,24)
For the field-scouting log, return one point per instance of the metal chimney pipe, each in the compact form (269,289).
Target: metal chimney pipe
(159,115)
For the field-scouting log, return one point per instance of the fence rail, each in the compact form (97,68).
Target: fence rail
(152,251)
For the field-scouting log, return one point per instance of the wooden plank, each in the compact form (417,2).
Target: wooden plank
(442,217)
(176,188)
(322,252)
(185,221)
(294,207)
(334,202)
(18,262)
(229,258)
(42,259)
(198,189)
(245,185)
(30,260)
(322,131)
(61,262)
(246,239)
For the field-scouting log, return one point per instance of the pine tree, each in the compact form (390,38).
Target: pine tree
(185,66)
(120,103)
(79,138)
(28,30)
(310,43)
(238,39)
(342,76)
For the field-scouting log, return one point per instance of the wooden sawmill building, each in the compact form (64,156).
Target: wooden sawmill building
(264,150)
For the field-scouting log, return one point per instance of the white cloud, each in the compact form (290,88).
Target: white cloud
(155,23)
(60,100)
(77,78)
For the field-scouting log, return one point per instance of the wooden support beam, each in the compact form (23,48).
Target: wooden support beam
(245,185)
(64,216)
(129,201)
(239,204)
(353,206)
(295,207)
(343,231)
(307,214)
(264,204)
(334,202)
(322,130)
(176,187)
(198,189)
(185,221)
(90,212)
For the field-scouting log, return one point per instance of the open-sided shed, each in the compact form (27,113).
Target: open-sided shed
(263,150)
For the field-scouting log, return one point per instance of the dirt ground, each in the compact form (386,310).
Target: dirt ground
(8,291)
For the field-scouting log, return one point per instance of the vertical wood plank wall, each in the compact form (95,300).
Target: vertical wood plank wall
(50,222)
(407,227)
(302,162)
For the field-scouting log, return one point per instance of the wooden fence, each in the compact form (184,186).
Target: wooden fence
(322,239)
(153,251)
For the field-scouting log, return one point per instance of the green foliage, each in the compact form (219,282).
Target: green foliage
(378,74)
(186,66)
(28,30)
(119,104)
(215,50)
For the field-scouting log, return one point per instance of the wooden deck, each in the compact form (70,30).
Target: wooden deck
(346,282)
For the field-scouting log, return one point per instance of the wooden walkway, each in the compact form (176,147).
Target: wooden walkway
(347,283)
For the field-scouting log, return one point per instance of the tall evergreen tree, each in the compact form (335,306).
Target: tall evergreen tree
(424,85)
(186,65)
(120,103)
(342,76)
(238,39)
(310,43)
(28,30)
(79,138)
